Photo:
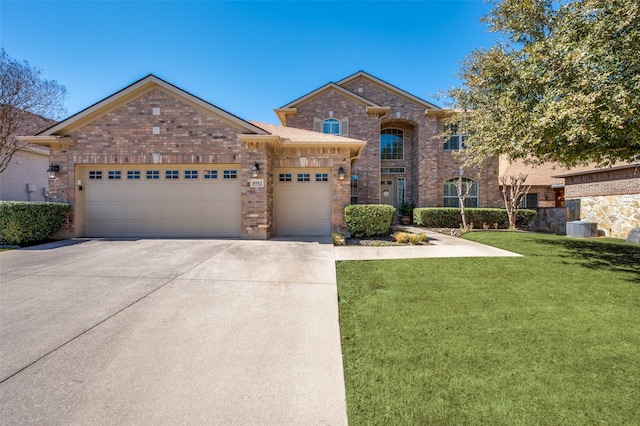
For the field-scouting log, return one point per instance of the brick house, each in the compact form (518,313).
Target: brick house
(405,158)
(153,160)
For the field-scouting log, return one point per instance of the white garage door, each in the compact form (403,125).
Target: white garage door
(303,202)
(161,201)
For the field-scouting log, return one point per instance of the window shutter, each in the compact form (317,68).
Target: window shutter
(344,126)
(317,125)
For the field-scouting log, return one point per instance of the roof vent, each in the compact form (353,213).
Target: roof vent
(579,228)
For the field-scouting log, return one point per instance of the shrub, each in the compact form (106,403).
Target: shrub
(447,217)
(25,222)
(409,238)
(366,220)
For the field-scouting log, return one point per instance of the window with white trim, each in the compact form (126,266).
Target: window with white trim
(153,174)
(303,177)
(172,174)
(191,174)
(95,175)
(391,144)
(331,126)
(529,201)
(115,174)
(451,193)
(454,141)
(322,177)
(285,177)
(354,189)
(230,174)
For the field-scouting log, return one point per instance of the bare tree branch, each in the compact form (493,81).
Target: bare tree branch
(513,189)
(28,104)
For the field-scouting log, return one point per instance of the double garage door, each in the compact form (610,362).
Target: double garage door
(161,201)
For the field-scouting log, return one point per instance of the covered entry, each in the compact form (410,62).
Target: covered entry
(154,200)
(303,202)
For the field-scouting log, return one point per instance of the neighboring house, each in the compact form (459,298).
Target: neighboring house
(25,178)
(547,190)
(609,197)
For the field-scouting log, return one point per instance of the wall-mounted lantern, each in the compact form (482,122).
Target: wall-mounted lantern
(341,173)
(255,169)
(53,171)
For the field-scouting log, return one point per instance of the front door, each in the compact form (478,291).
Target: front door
(388,192)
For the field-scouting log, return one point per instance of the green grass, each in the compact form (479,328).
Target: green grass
(552,338)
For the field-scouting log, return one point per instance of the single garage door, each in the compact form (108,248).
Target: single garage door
(161,201)
(303,202)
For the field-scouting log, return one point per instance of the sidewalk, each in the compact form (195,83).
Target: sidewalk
(440,245)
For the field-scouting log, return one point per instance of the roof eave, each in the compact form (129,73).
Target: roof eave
(46,140)
(282,114)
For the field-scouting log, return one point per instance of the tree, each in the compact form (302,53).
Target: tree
(513,190)
(25,99)
(562,84)
(463,188)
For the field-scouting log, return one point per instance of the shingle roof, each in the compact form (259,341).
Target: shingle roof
(291,134)
(538,175)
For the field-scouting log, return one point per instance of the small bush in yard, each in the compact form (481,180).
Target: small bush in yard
(447,217)
(367,220)
(409,238)
(27,222)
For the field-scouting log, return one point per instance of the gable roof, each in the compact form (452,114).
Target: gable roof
(388,86)
(132,92)
(290,108)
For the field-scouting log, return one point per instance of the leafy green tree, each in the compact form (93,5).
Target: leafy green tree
(562,83)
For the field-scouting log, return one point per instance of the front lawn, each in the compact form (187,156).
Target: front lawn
(552,338)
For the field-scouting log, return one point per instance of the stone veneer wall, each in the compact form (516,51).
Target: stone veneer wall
(553,219)
(616,215)
(610,198)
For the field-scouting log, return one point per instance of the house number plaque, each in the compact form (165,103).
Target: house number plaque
(256,183)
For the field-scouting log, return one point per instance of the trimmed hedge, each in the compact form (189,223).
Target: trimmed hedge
(367,220)
(29,222)
(446,217)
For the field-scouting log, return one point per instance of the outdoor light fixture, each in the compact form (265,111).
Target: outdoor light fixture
(53,171)
(255,169)
(341,173)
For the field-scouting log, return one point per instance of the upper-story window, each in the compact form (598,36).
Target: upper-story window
(454,141)
(331,126)
(391,144)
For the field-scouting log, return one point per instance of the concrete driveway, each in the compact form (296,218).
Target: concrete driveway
(170,332)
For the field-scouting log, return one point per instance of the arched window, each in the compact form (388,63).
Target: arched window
(451,194)
(391,144)
(331,126)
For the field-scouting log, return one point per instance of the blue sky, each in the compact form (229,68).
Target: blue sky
(247,57)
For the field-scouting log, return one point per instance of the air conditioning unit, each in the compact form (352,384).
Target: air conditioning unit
(579,228)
